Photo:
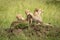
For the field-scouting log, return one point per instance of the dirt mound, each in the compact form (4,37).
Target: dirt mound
(34,31)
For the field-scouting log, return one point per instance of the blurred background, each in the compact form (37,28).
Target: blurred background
(9,9)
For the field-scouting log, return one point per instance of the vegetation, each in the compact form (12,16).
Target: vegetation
(31,32)
(9,9)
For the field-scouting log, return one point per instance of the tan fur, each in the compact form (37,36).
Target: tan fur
(34,17)
(37,15)
(19,17)
(29,15)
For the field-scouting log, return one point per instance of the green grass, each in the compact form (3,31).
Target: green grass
(9,9)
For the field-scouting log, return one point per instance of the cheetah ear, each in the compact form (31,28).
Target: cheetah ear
(41,10)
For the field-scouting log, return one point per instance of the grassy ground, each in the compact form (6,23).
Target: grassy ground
(9,9)
(24,31)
